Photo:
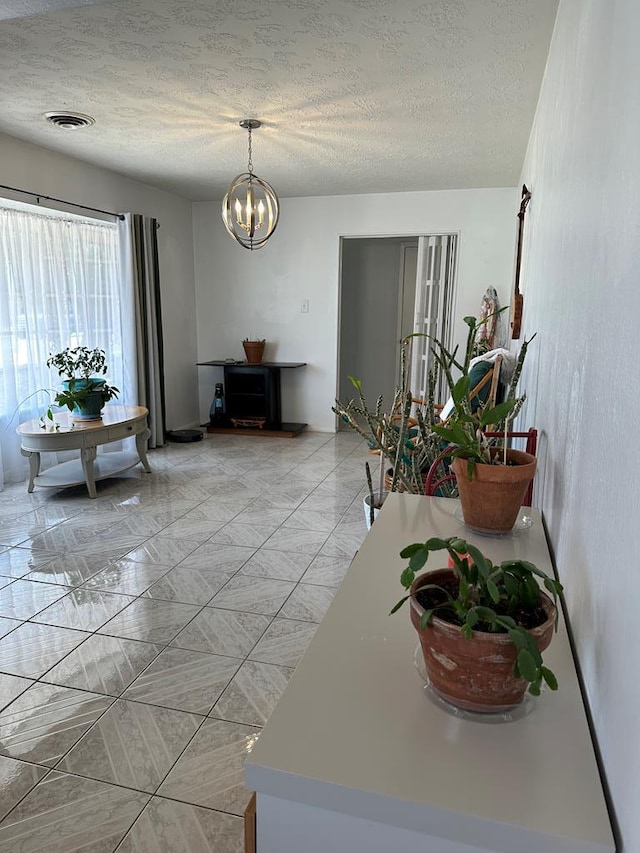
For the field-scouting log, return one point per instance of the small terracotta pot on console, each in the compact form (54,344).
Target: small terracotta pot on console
(253,351)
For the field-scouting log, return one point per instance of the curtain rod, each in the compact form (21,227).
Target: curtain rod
(38,196)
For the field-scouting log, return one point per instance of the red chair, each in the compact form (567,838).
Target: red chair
(435,477)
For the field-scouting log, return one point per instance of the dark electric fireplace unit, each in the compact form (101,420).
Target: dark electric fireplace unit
(253,392)
(252,398)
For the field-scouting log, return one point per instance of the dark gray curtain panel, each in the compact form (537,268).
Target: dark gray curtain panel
(148,322)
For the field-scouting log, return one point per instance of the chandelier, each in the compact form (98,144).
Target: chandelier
(250,208)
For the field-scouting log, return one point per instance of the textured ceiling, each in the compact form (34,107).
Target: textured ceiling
(356,96)
(23,8)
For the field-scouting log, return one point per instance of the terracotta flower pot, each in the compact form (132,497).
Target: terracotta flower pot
(253,351)
(492,498)
(475,674)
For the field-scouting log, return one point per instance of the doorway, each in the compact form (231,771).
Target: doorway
(389,288)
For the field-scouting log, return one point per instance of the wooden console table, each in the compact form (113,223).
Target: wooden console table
(358,756)
(252,393)
(117,422)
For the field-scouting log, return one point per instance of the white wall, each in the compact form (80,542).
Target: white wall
(241,293)
(33,168)
(581,288)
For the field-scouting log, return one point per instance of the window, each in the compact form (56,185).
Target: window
(60,285)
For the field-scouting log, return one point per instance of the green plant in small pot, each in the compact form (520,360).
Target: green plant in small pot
(482,627)
(492,478)
(84,393)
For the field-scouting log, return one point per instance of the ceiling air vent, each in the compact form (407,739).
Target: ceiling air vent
(69,121)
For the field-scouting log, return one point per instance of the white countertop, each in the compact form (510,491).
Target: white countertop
(356,732)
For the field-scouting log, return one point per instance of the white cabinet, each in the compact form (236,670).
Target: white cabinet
(358,757)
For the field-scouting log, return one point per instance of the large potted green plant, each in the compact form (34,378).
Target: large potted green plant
(84,393)
(492,479)
(482,627)
(404,441)
(412,438)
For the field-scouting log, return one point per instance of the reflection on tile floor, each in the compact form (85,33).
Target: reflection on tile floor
(133,745)
(22,599)
(169,825)
(31,649)
(65,813)
(47,720)
(17,778)
(209,772)
(147,635)
(184,679)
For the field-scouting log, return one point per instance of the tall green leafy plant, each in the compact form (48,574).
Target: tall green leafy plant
(79,362)
(411,448)
(81,368)
(465,429)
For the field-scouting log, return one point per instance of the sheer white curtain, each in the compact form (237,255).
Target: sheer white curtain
(60,285)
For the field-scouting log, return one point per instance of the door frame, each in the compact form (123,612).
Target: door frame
(404,235)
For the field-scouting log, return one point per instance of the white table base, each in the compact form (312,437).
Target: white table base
(85,470)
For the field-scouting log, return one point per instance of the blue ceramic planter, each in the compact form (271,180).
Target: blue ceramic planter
(91,407)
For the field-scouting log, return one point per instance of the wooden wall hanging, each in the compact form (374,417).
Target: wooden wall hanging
(517,301)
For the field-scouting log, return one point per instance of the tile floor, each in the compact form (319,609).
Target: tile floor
(147,635)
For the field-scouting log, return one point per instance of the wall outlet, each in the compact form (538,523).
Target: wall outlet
(304,306)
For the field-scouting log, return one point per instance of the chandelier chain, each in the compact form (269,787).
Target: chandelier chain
(250,163)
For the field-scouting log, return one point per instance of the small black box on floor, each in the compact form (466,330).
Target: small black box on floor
(185,435)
